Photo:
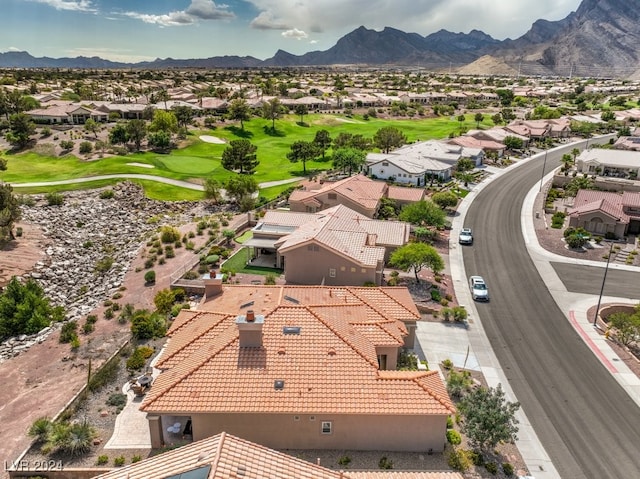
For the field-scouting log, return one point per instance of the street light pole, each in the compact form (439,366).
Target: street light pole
(544,165)
(604,278)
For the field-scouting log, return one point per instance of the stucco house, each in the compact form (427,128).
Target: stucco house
(337,246)
(295,367)
(609,162)
(69,113)
(416,163)
(358,192)
(602,212)
(225,456)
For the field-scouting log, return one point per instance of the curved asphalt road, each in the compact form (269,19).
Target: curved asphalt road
(587,423)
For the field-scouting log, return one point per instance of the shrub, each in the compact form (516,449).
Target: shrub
(507,469)
(169,234)
(149,262)
(453,437)
(91,319)
(88,328)
(69,332)
(135,361)
(150,277)
(103,265)
(75,343)
(117,400)
(270,279)
(105,375)
(459,313)
(107,194)
(102,460)
(459,460)
(19,231)
(610,235)
(344,461)
(118,461)
(54,199)
(447,364)
(385,463)
(86,147)
(449,422)
(73,439)
(66,144)
(40,428)
(136,458)
(108,313)
(491,467)
(146,325)
(435,295)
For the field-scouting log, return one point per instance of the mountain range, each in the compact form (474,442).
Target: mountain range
(600,39)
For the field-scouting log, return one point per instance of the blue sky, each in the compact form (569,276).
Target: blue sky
(137,30)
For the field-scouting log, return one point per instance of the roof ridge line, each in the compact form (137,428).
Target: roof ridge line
(448,404)
(218,456)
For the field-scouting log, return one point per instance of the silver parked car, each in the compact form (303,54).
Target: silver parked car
(466,236)
(479,290)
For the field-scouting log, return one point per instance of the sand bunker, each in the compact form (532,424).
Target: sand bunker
(212,139)
(141,165)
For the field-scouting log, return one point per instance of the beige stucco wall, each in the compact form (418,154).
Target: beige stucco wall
(588,220)
(392,357)
(358,432)
(312,267)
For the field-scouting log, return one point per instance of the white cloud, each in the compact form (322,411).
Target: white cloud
(294,33)
(75,5)
(266,21)
(197,10)
(498,18)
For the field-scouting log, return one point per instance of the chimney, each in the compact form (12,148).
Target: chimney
(250,329)
(212,284)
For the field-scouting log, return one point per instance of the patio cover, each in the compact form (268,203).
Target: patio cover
(261,243)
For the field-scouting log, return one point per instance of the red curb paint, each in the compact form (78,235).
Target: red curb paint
(592,345)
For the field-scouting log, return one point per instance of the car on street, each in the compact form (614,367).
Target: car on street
(478,287)
(466,236)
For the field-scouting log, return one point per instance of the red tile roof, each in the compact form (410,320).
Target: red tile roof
(359,189)
(330,366)
(588,201)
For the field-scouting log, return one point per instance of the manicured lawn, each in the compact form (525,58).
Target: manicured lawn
(244,237)
(238,263)
(198,160)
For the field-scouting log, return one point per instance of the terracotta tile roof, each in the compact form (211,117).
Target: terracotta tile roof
(401,193)
(287,218)
(588,201)
(631,199)
(471,142)
(229,457)
(347,233)
(359,189)
(330,366)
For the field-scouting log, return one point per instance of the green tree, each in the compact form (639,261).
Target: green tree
(347,140)
(465,164)
(119,134)
(579,183)
(302,151)
(388,138)
(506,97)
(272,110)
(349,159)
(212,190)
(478,117)
(160,140)
(239,110)
(323,141)
(445,199)
(489,418)
(9,211)
(566,161)
(137,131)
(417,256)
(240,187)
(513,142)
(387,208)
(607,116)
(165,121)
(497,119)
(302,110)
(423,213)
(24,309)
(461,120)
(21,127)
(92,126)
(184,115)
(147,325)
(240,155)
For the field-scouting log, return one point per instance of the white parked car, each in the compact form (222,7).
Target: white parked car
(479,290)
(466,236)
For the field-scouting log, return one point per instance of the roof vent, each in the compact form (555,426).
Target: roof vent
(293,300)
(278,384)
(251,316)
(291,330)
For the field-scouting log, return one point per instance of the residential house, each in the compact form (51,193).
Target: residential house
(609,162)
(627,143)
(416,163)
(405,196)
(70,113)
(485,145)
(297,368)
(225,456)
(337,246)
(498,135)
(358,192)
(602,212)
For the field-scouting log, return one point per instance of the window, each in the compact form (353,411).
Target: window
(310,247)
(343,268)
(333,196)
(332,272)
(316,248)
(363,270)
(353,270)
(326,427)
(385,163)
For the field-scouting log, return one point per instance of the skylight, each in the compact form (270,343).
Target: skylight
(291,330)
(293,300)
(199,473)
